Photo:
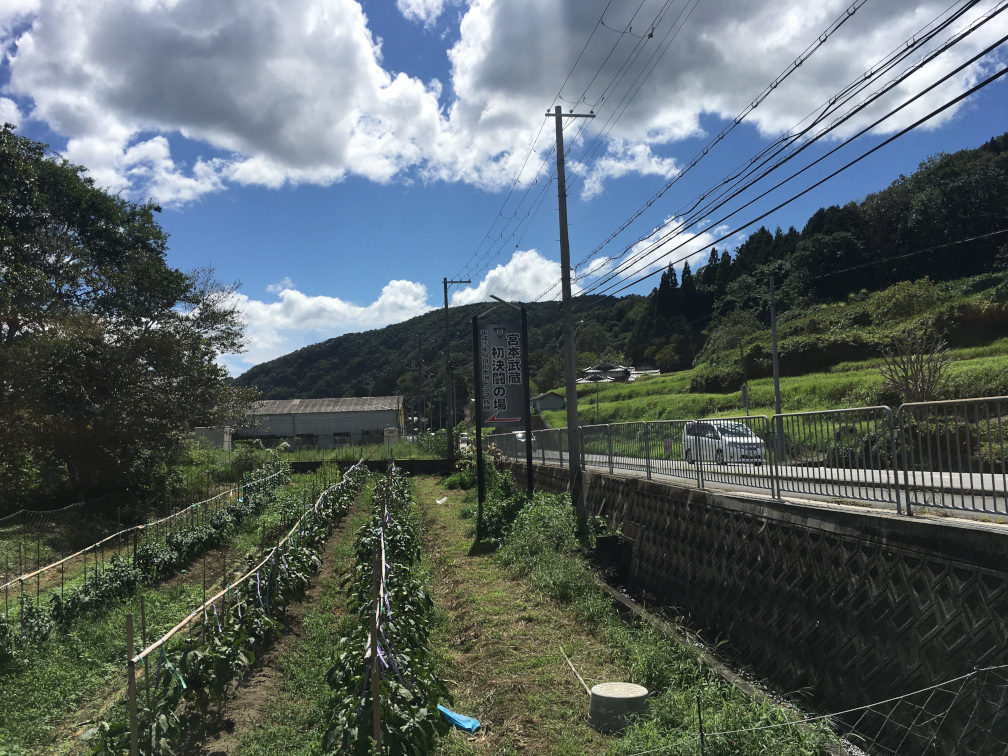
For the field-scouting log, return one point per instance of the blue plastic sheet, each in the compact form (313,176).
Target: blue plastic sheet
(460,720)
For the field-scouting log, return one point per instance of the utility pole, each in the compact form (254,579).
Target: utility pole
(449,383)
(778,421)
(570,371)
(419,385)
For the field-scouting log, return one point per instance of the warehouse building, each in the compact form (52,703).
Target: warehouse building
(325,422)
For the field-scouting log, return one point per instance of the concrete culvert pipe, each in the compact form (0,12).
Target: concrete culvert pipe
(614,704)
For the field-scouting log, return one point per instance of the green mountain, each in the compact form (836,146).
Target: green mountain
(946,222)
(388,360)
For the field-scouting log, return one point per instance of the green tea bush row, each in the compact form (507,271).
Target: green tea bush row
(410,688)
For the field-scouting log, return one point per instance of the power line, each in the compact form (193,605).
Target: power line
(793,136)
(791,68)
(924,119)
(491,253)
(651,248)
(531,151)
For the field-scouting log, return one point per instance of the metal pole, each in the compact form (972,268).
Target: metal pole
(131,688)
(570,374)
(527,395)
(778,424)
(448,375)
(477,383)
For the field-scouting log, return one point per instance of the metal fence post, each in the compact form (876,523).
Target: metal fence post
(698,458)
(895,463)
(609,434)
(906,464)
(775,486)
(647,449)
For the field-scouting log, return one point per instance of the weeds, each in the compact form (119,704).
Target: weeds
(542,546)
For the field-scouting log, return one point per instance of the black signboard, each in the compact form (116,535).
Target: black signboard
(502,393)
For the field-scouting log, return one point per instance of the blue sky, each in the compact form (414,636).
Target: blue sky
(340,158)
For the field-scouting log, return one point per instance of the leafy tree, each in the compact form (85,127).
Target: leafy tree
(107,354)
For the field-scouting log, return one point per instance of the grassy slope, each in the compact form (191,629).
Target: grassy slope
(976,371)
(967,311)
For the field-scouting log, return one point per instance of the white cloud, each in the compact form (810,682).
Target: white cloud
(423,11)
(284,283)
(523,278)
(295,319)
(655,252)
(294,91)
(623,158)
(9,111)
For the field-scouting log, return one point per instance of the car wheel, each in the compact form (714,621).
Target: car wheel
(719,457)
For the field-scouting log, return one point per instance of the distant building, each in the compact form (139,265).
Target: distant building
(548,402)
(605,372)
(324,422)
(636,373)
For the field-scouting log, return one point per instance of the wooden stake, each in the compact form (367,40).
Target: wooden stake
(375,660)
(699,714)
(143,638)
(131,688)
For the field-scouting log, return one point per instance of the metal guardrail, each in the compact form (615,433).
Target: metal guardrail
(940,455)
(953,454)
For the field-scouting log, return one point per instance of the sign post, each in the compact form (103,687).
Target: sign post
(502,387)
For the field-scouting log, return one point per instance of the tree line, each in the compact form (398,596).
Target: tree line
(940,223)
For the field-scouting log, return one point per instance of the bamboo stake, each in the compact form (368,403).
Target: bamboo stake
(131,688)
(143,637)
(699,714)
(376,663)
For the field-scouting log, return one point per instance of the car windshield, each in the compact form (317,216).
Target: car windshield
(735,430)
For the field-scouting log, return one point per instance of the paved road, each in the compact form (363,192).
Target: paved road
(972,494)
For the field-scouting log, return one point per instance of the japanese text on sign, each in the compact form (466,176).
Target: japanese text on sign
(502,397)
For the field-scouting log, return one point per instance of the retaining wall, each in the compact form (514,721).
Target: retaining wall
(836,606)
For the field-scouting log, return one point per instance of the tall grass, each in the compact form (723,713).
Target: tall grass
(542,547)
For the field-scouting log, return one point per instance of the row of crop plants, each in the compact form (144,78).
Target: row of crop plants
(179,679)
(163,552)
(384,681)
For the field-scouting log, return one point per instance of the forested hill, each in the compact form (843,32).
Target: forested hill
(384,361)
(946,221)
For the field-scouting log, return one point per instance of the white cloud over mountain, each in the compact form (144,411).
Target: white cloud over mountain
(278,326)
(272,93)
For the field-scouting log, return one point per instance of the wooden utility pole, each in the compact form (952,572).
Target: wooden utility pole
(449,383)
(419,384)
(570,373)
(778,420)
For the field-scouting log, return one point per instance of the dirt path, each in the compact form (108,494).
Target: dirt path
(501,644)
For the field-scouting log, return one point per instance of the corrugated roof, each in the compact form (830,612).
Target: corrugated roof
(309,406)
